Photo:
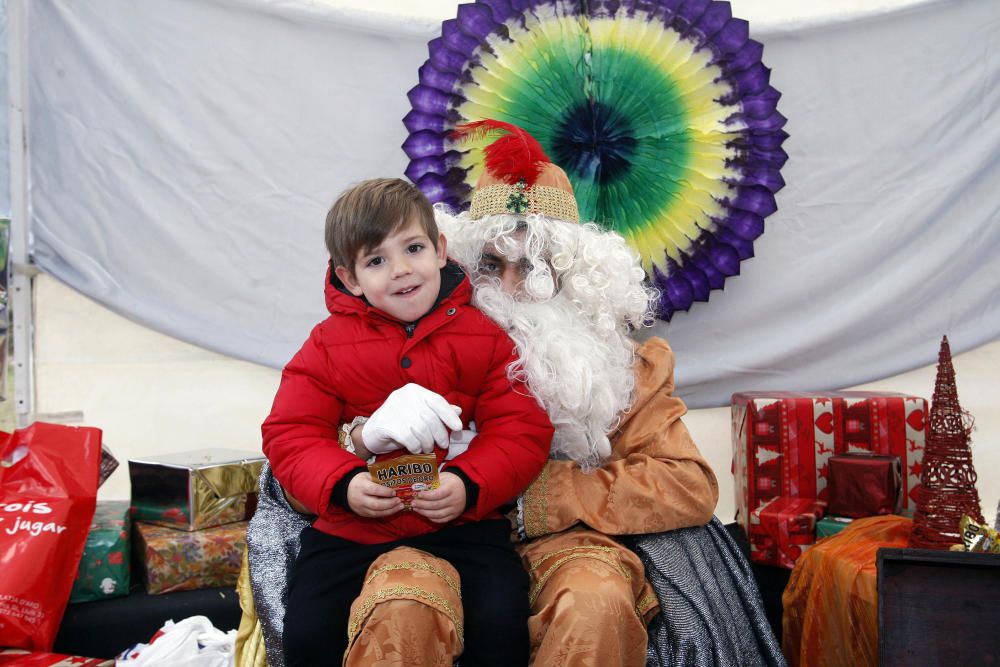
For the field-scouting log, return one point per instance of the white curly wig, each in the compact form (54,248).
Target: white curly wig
(584,292)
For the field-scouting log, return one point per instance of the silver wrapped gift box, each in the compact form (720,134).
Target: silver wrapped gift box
(194,490)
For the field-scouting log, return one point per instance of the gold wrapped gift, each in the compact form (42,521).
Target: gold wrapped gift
(194,490)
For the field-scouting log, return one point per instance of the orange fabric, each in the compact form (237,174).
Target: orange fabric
(590,606)
(409,613)
(831,606)
(655,480)
(590,601)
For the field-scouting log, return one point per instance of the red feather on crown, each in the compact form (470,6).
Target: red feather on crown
(513,156)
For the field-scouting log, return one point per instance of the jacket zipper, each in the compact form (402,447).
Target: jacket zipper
(408,328)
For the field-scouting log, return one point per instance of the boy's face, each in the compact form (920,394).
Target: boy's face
(401,277)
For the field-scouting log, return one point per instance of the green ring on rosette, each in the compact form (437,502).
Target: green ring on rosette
(661,114)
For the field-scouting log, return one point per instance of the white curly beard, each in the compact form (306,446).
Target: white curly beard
(572,340)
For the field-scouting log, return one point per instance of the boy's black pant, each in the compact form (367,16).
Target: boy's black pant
(329,572)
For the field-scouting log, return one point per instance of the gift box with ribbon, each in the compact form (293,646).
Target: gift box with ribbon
(194,490)
(783,443)
(782,528)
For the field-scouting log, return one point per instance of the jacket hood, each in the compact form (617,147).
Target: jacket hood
(455,289)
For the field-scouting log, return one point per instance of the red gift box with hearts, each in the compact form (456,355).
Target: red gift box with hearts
(783,441)
(782,528)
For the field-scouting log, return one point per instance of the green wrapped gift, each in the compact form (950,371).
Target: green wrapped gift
(178,560)
(831,525)
(104,565)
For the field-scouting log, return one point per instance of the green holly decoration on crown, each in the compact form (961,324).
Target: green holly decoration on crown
(518,202)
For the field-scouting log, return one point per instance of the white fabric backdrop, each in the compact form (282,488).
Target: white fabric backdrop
(184,153)
(4,113)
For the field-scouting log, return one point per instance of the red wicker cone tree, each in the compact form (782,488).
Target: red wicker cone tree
(948,477)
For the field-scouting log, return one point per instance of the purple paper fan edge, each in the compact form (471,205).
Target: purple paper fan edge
(715,255)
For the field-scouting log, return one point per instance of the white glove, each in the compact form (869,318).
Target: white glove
(412,417)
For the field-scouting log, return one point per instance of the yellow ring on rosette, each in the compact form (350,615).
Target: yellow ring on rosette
(547,66)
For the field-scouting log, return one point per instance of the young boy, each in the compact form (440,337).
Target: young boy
(402,342)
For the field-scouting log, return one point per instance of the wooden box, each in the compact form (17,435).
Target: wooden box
(938,607)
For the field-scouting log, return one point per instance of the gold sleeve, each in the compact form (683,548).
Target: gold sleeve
(655,480)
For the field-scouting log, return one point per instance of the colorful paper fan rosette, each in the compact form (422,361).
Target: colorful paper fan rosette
(660,112)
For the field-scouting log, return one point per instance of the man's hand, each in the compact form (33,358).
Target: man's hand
(444,503)
(412,417)
(369,499)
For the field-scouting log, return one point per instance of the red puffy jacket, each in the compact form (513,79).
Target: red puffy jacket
(350,364)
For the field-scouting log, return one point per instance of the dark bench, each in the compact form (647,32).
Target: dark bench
(105,628)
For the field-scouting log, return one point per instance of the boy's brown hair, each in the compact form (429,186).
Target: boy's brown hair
(366,213)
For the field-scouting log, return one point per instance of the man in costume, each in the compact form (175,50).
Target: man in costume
(623,467)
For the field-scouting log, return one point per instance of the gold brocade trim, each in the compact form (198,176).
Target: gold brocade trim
(549,572)
(394,592)
(536,504)
(645,603)
(586,547)
(417,565)
(497,199)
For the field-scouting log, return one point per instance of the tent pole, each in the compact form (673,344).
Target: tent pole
(21,296)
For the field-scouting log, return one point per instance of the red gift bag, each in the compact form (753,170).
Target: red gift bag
(48,490)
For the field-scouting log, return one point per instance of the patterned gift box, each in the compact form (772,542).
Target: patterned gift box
(104,567)
(783,441)
(782,528)
(177,560)
(194,490)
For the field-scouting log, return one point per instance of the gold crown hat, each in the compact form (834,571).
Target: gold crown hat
(519,178)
